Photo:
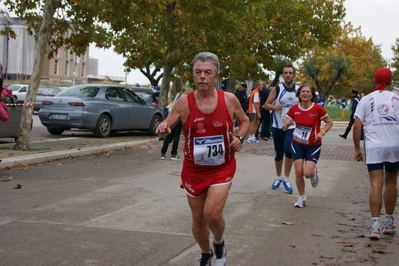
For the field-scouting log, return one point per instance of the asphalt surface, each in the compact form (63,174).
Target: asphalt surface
(77,200)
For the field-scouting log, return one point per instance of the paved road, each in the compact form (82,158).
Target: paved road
(126,208)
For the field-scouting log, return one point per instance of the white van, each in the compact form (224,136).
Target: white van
(19,91)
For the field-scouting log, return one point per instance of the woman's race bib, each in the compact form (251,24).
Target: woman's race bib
(302,134)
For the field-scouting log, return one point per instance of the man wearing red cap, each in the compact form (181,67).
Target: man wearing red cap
(378,114)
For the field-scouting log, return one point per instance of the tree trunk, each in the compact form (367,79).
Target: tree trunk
(26,119)
(163,95)
(232,86)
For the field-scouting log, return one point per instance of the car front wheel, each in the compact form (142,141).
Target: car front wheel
(103,127)
(154,124)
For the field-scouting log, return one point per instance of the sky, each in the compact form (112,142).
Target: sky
(378,20)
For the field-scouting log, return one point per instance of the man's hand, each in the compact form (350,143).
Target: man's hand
(279,106)
(358,156)
(235,143)
(2,97)
(163,129)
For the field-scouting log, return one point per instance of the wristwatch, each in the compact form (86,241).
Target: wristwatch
(241,139)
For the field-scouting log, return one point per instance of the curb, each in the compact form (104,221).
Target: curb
(64,154)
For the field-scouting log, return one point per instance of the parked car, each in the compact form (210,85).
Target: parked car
(19,91)
(43,92)
(149,95)
(149,98)
(100,108)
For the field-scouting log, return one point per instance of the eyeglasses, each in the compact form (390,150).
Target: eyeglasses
(288,73)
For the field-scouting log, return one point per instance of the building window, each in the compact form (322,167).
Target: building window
(66,53)
(83,70)
(66,69)
(55,67)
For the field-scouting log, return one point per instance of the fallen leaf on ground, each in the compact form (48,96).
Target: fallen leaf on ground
(288,223)
(18,186)
(346,244)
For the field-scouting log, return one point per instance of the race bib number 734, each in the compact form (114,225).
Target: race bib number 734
(209,150)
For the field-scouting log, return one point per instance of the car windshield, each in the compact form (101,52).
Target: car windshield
(80,91)
(14,87)
(143,95)
(47,91)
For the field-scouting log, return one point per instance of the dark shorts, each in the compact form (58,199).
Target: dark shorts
(389,167)
(282,143)
(306,152)
(252,117)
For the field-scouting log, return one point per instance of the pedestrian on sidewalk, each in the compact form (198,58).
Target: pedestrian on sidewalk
(378,114)
(306,141)
(174,137)
(209,161)
(265,115)
(354,102)
(254,111)
(280,100)
(241,94)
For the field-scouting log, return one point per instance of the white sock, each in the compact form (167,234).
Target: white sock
(388,217)
(286,178)
(375,221)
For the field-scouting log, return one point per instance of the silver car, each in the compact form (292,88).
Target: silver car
(98,107)
(43,92)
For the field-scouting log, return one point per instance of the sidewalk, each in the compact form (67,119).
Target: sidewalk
(62,148)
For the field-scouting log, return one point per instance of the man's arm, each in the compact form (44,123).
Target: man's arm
(235,110)
(269,102)
(357,132)
(178,113)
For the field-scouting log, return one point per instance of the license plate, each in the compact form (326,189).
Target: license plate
(59,116)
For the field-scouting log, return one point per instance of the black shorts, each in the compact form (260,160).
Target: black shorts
(391,168)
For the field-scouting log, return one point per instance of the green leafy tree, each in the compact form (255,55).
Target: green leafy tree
(349,63)
(168,33)
(50,21)
(245,35)
(395,62)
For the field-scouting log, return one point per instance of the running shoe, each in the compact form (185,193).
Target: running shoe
(276,183)
(287,186)
(219,257)
(175,158)
(374,233)
(315,179)
(301,202)
(206,259)
(162,156)
(389,227)
(254,140)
